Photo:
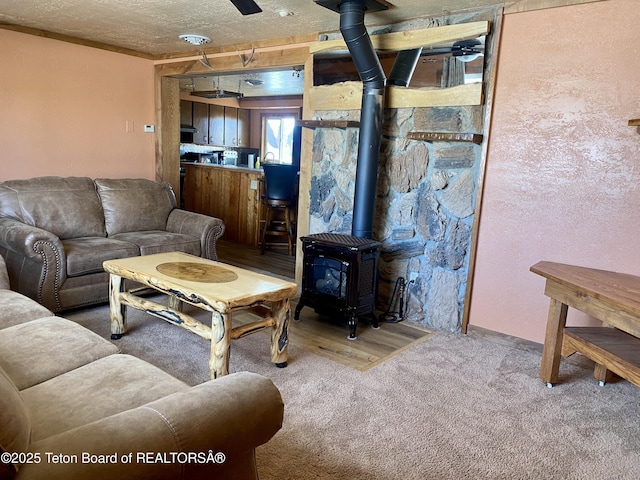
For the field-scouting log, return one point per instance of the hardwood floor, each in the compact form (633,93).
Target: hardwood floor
(275,259)
(319,334)
(329,338)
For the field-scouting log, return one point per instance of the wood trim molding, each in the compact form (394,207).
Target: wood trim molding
(521,6)
(74,40)
(488,108)
(306,167)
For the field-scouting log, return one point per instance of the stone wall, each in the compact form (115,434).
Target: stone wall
(424,208)
(426,195)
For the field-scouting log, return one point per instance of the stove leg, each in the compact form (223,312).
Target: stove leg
(374,321)
(353,323)
(296,314)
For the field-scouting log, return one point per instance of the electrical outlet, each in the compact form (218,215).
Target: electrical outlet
(254,184)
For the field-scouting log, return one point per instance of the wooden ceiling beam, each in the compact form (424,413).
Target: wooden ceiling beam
(233,62)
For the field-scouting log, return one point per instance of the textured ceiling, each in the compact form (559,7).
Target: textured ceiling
(152,26)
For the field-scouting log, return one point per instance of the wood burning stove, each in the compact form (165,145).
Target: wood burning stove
(340,277)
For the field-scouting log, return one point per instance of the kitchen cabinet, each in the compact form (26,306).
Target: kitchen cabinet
(231,126)
(244,127)
(186,113)
(236,127)
(216,125)
(201,123)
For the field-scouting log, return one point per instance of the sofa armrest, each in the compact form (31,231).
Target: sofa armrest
(35,260)
(4,276)
(207,229)
(231,415)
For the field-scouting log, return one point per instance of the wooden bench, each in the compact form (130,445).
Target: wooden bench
(614,299)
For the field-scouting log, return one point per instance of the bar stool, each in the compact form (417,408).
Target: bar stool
(280,198)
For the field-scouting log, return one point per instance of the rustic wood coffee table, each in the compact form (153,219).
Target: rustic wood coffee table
(212,286)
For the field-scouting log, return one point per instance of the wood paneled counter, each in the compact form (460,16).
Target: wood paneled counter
(226,192)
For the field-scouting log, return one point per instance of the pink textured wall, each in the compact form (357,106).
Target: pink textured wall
(563,170)
(64,109)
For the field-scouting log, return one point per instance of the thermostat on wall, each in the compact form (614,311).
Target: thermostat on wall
(149,128)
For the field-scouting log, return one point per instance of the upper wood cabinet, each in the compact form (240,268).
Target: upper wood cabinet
(244,127)
(201,123)
(230,126)
(216,125)
(236,127)
(186,113)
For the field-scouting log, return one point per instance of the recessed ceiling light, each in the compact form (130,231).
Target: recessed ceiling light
(194,39)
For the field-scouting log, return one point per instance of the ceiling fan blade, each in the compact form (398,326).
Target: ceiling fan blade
(246,7)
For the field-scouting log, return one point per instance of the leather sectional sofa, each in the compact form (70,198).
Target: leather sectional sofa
(55,232)
(73,408)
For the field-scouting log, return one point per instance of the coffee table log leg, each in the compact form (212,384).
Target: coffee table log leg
(280,335)
(220,343)
(118,311)
(174,302)
(552,350)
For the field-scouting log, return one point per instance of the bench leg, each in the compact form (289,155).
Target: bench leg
(552,350)
(603,375)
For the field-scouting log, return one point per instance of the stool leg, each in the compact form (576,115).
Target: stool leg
(267,221)
(287,222)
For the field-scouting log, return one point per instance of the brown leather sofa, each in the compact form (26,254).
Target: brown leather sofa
(55,232)
(73,408)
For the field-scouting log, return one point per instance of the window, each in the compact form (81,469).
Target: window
(277,138)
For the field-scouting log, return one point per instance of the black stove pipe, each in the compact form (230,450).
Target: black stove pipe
(373,84)
(404,66)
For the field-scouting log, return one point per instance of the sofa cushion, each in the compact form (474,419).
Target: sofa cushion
(68,207)
(160,241)
(15,308)
(36,351)
(85,255)
(135,204)
(15,432)
(97,390)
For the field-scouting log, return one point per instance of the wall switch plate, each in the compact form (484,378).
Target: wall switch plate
(128,126)
(150,128)
(254,184)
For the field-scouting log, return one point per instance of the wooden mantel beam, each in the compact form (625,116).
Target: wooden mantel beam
(425,38)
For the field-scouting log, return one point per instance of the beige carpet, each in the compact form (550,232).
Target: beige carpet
(451,407)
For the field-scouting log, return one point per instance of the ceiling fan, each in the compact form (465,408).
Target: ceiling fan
(246,7)
(463,50)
